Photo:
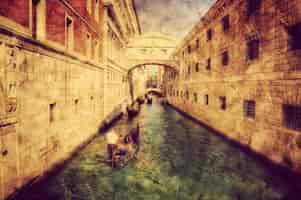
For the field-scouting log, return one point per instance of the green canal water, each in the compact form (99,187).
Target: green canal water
(178,160)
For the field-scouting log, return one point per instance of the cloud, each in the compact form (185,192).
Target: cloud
(174,17)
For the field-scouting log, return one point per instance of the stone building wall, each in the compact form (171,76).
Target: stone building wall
(51,94)
(246,95)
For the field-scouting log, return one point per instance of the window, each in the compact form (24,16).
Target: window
(96,50)
(197,45)
(96,11)
(209,34)
(253,49)
(225,58)
(294,36)
(188,69)
(195,97)
(89,6)
(189,49)
(226,23)
(187,95)
(253,6)
(39,19)
(223,101)
(249,108)
(52,112)
(76,102)
(88,45)
(70,33)
(208,66)
(197,67)
(292,117)
(206,99)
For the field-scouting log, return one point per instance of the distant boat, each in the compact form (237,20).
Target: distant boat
(149,100)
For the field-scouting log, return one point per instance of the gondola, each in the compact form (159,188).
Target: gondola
(126,149)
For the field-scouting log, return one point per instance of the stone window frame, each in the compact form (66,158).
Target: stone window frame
(69,41)
(249,108)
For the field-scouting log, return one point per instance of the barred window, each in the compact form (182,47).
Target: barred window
(250,108)
(225,58)
(223,101)
(253,6)
(253,49)
(292,117)
(294,36)
(226,23)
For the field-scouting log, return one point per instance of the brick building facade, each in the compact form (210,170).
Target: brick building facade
(240,74)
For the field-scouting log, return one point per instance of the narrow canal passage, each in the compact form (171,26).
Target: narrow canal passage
(178,160)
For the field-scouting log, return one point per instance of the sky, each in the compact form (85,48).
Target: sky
(173,17)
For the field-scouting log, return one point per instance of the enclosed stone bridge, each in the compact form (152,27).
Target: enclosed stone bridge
(151,49)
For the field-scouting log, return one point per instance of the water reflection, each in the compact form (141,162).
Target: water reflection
(178,160)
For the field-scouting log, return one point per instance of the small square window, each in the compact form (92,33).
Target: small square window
(209,34)
(250,108)
(223,101)
(292,117)
(295,36)
(225,58)
(253,49)
(226,23)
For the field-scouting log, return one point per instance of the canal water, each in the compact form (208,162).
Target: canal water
(178,160)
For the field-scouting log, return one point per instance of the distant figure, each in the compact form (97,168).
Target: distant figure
(112,139)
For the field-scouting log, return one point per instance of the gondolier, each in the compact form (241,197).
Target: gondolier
(112,139)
